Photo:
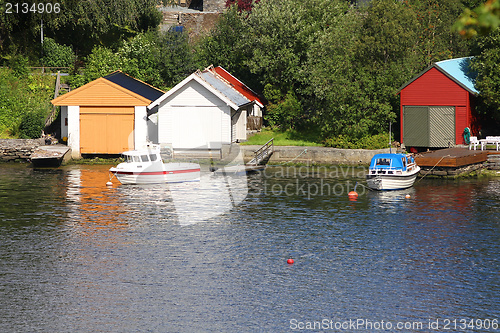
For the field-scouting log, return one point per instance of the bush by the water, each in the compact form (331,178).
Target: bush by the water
(378,141)
(20,96)
(31,125)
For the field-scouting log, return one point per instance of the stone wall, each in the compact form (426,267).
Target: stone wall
(198,24)
(319,155)
(214,5)
(18,149)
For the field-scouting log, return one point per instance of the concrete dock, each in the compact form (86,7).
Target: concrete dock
(50,156)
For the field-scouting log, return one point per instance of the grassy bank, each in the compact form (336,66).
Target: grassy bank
(287,138)
(309,138)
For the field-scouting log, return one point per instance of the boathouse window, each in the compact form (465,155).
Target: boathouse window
(383,161)
(152,157)
(404,162)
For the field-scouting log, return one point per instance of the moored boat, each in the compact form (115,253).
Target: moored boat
(392,172)
(147,167)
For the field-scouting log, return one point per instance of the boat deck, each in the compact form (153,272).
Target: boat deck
(452,157)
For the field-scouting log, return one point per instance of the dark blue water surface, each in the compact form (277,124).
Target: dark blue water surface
(77,256)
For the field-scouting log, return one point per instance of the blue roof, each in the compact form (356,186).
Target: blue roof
(459,70)
(396,161)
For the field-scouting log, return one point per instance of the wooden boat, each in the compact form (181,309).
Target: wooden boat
(392,172)
(147,167)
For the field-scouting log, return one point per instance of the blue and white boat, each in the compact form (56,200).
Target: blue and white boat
(392,172)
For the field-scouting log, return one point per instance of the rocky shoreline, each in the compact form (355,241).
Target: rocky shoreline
(18,149)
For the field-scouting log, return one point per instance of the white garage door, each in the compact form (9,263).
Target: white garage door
(197,127)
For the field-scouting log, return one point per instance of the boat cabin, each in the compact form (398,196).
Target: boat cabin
(391,164)
(142,156)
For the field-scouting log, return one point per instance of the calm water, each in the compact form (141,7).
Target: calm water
(76,256)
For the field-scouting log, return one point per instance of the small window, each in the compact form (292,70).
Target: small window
(383,161)
(152,157)
(136,158)
(145,158)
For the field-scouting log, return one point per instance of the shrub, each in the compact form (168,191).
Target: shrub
(56,55)
(284,113)
(19,65)
(378,141)
(31,125)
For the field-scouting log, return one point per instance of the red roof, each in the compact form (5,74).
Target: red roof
(238,85)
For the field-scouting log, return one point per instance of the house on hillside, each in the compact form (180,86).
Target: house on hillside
(438,104)
(107,115)
(204,112)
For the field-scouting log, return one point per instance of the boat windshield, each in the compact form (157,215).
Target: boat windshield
(383,161)
(145,158)
(152,157)
(131,158)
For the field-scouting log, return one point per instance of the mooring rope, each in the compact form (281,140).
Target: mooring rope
(305,150)
(428,172)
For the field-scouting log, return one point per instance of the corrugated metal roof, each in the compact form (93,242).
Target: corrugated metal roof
(238,85)
(137,86)
(460,70)
(223,87)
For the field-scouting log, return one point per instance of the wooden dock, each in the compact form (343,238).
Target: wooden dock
(451,157)
(452,161)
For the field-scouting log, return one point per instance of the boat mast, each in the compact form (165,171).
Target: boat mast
(390,148)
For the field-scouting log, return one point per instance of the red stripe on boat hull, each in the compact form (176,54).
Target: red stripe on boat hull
(155,173)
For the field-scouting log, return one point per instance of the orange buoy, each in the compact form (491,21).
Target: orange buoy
(290,261)
(353,195)
(407,196)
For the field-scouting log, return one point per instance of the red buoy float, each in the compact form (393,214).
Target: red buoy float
(353,195)
(290,261)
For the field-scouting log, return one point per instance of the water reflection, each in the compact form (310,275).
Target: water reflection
(91,201)
(85,257)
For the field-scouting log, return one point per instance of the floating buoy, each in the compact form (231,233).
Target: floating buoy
(407,196)
(353,195)
(290,261)
(109,183)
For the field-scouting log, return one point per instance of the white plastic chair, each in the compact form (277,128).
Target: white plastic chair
(474,142)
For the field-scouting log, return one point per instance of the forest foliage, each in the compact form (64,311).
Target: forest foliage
(325,66)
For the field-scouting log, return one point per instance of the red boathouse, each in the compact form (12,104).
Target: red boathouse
(438,104)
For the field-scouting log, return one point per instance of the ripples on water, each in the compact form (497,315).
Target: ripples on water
(77,256)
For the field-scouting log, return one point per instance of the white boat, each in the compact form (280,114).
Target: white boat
(147,167)
(392,172)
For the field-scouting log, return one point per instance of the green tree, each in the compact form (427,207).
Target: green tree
(56,55)
(487,65)
(176,57)
(481,20)
(436,40)
(81,24)
(140,58)
(102,61)
(224,47)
